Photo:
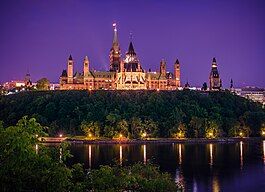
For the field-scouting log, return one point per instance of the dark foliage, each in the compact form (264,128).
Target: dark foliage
(134,112)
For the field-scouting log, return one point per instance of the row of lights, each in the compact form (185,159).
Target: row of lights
(180,135)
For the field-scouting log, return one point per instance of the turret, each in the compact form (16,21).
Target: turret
(214,79)
(70,70)
(177,73)
(86,66)
(163,67)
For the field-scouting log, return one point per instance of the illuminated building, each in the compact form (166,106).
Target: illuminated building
(124,73)
(215,81)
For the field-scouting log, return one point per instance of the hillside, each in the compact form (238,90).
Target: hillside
(159,114)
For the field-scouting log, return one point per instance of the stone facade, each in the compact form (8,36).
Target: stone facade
(124,74)
(214,79)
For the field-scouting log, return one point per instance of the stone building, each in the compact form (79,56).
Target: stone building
(124,73)
(214,79)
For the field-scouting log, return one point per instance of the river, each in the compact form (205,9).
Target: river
(198,167)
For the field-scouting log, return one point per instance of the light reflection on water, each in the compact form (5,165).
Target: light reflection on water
(120,155)
(241,154)
(264,152)
(198,167)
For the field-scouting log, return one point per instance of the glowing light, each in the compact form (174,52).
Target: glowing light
(37,148)
(37,135)
(180,154)
(89,156)
(241,134)
(61,135)
(216,185)
(120,155)
(264,152)
(144,135)
(144,154)
(210,134)
(211,155)
(263,133)
(120,135)
(61,154)
(89,135)
(241,154)
(114,24)
(157,89)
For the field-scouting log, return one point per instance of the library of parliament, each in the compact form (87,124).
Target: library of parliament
(125,73)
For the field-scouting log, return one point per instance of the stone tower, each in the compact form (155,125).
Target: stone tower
(86,66)
(214,79)
(163,67)
(115,51)
(70,70)
(177,73)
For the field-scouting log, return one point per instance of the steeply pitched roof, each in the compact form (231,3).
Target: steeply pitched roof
(131,49)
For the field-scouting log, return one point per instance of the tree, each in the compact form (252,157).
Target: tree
(25,169)
(196,124)
(138,177)
(122,127)
(91,129)
(179,131)
(150,128)
(136,127)
(43,84)
(212,130)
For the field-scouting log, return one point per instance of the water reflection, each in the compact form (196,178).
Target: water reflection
(264,152)
(179,179)
(89,156)
(241,154)
(197,167)
(211,155)
(216,185)
(120,155)
(195,187)
(144,146)
(180,153)
(61,154)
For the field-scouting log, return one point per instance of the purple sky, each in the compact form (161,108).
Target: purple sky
(40,35)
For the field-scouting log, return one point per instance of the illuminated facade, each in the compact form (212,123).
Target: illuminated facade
(124,74)
(214,79)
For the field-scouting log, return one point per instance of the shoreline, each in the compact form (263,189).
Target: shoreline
(154,141)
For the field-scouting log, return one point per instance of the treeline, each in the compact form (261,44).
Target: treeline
(136,114)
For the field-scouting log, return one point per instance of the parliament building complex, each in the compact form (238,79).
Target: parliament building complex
(126,74)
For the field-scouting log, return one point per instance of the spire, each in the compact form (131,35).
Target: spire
(70,57)
(214,60)
(115,36)
(86,58)
(231,84)
(214,64)
(177,61)
(131,49)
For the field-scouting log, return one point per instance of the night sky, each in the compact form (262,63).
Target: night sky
(39,36)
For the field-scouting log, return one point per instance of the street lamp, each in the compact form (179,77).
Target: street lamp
(61,135)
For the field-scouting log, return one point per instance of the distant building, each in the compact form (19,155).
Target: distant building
(124,73)
(254,93)
(214,79)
